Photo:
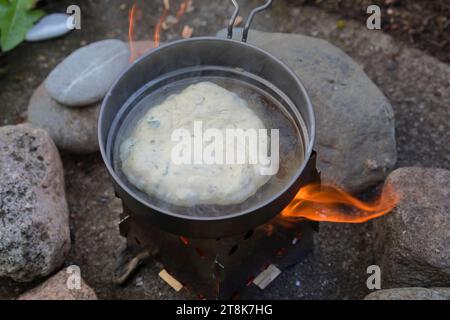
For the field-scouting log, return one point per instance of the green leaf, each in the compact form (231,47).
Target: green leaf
(3,9)
(16,17)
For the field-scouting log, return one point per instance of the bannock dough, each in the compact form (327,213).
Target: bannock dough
(146,154)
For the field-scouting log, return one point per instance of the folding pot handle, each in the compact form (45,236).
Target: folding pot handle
(249,19)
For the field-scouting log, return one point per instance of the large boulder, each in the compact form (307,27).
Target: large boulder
(412,244)
(34,218)
(72,129)
(410,294)
(63,286)
(355,122)
(85,76)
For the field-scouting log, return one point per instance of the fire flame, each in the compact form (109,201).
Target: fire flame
(131,21)
(161,20)
(158,27)
(183,6)
(184,240)
(325,202)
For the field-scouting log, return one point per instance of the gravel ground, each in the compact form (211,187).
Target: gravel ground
(417,85)
(421,24)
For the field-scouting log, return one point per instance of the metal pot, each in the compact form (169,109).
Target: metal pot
(196,58)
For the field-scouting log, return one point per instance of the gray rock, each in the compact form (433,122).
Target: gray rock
(51,26)
(355,122)
(412,244)
(85,76)
(56,288)
(410,294)
(72,129)
(34,218)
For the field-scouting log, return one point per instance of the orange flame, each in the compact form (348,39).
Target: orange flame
(182,9)
(183,6)
(161,20)
(137,51)
(184,240)
(131,20)
(329,203)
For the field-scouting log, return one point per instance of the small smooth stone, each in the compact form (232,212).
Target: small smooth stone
(51,26)
(73,129)
(86,75)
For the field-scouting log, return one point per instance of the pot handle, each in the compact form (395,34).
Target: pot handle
(249,19)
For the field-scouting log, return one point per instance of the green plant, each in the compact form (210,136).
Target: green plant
(16,17)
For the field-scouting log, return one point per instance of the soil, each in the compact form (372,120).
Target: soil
(422,24)
(337,269)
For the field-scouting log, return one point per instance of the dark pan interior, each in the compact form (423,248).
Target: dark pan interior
(266,101)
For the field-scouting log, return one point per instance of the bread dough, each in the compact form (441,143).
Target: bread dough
(146,154)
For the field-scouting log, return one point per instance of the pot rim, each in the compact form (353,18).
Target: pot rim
(294,178)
